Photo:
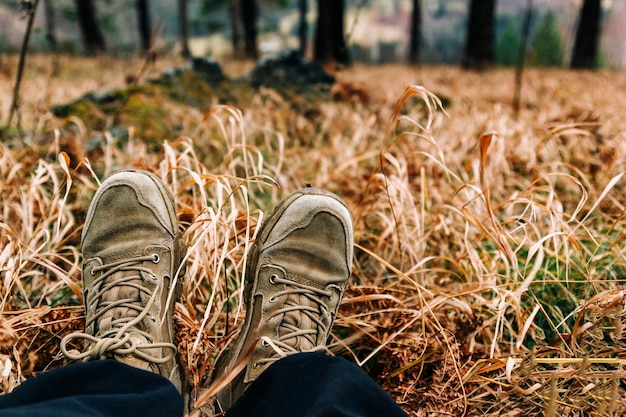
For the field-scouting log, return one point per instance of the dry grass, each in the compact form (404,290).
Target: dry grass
(490,260)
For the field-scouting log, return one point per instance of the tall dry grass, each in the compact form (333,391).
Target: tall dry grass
(489,265)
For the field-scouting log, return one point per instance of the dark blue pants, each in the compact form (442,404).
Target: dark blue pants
(306,384)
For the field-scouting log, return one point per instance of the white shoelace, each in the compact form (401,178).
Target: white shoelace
(118,339)
(287,343)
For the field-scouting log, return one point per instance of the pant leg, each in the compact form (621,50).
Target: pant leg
(315,385)
(99,388)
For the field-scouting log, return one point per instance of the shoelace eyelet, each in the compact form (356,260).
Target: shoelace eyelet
(272,299)
(273,278)
(156,259)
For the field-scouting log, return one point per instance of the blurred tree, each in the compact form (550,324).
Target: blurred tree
(479,46)
(249,14)
(244,14)
(234,14)
(50,16)
(143,23)
(183,28)
(330,43)
(587,35)
(442,10)
(416,33)
(508,44)
(521,58)
(89,27)
(303,28)
(547,44)
(234,21)
(51,37)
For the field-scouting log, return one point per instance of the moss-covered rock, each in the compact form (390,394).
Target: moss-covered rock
(200,84)
(288,69)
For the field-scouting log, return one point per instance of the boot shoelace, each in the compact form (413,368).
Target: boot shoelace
(118,340)
(299,295)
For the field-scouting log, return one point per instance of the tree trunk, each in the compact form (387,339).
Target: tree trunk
(587,35)
(479,49)
(183,29)
(234,23)
(416,33)
(521,58)
(143,23)
(51,36)
(303,28)
(248,19)
(50,16)
(330,43)
(89,27)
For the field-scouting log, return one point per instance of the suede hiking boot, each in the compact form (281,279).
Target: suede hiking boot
(298,268)
(132,275)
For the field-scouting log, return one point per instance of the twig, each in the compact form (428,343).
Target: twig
(20,68)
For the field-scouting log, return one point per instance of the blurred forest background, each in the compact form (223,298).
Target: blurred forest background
(375,31)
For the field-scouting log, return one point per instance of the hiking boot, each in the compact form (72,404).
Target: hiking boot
(132,275)
(298,267)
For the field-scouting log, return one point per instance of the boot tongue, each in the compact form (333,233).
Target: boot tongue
(294,321)
(119,292)
(126,290)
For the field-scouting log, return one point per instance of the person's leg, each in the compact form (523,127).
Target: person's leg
(97,388)
(132,254)
(299,267)
(315,385)
(132,275)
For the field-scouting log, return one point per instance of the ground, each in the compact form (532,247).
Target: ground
(489,262)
